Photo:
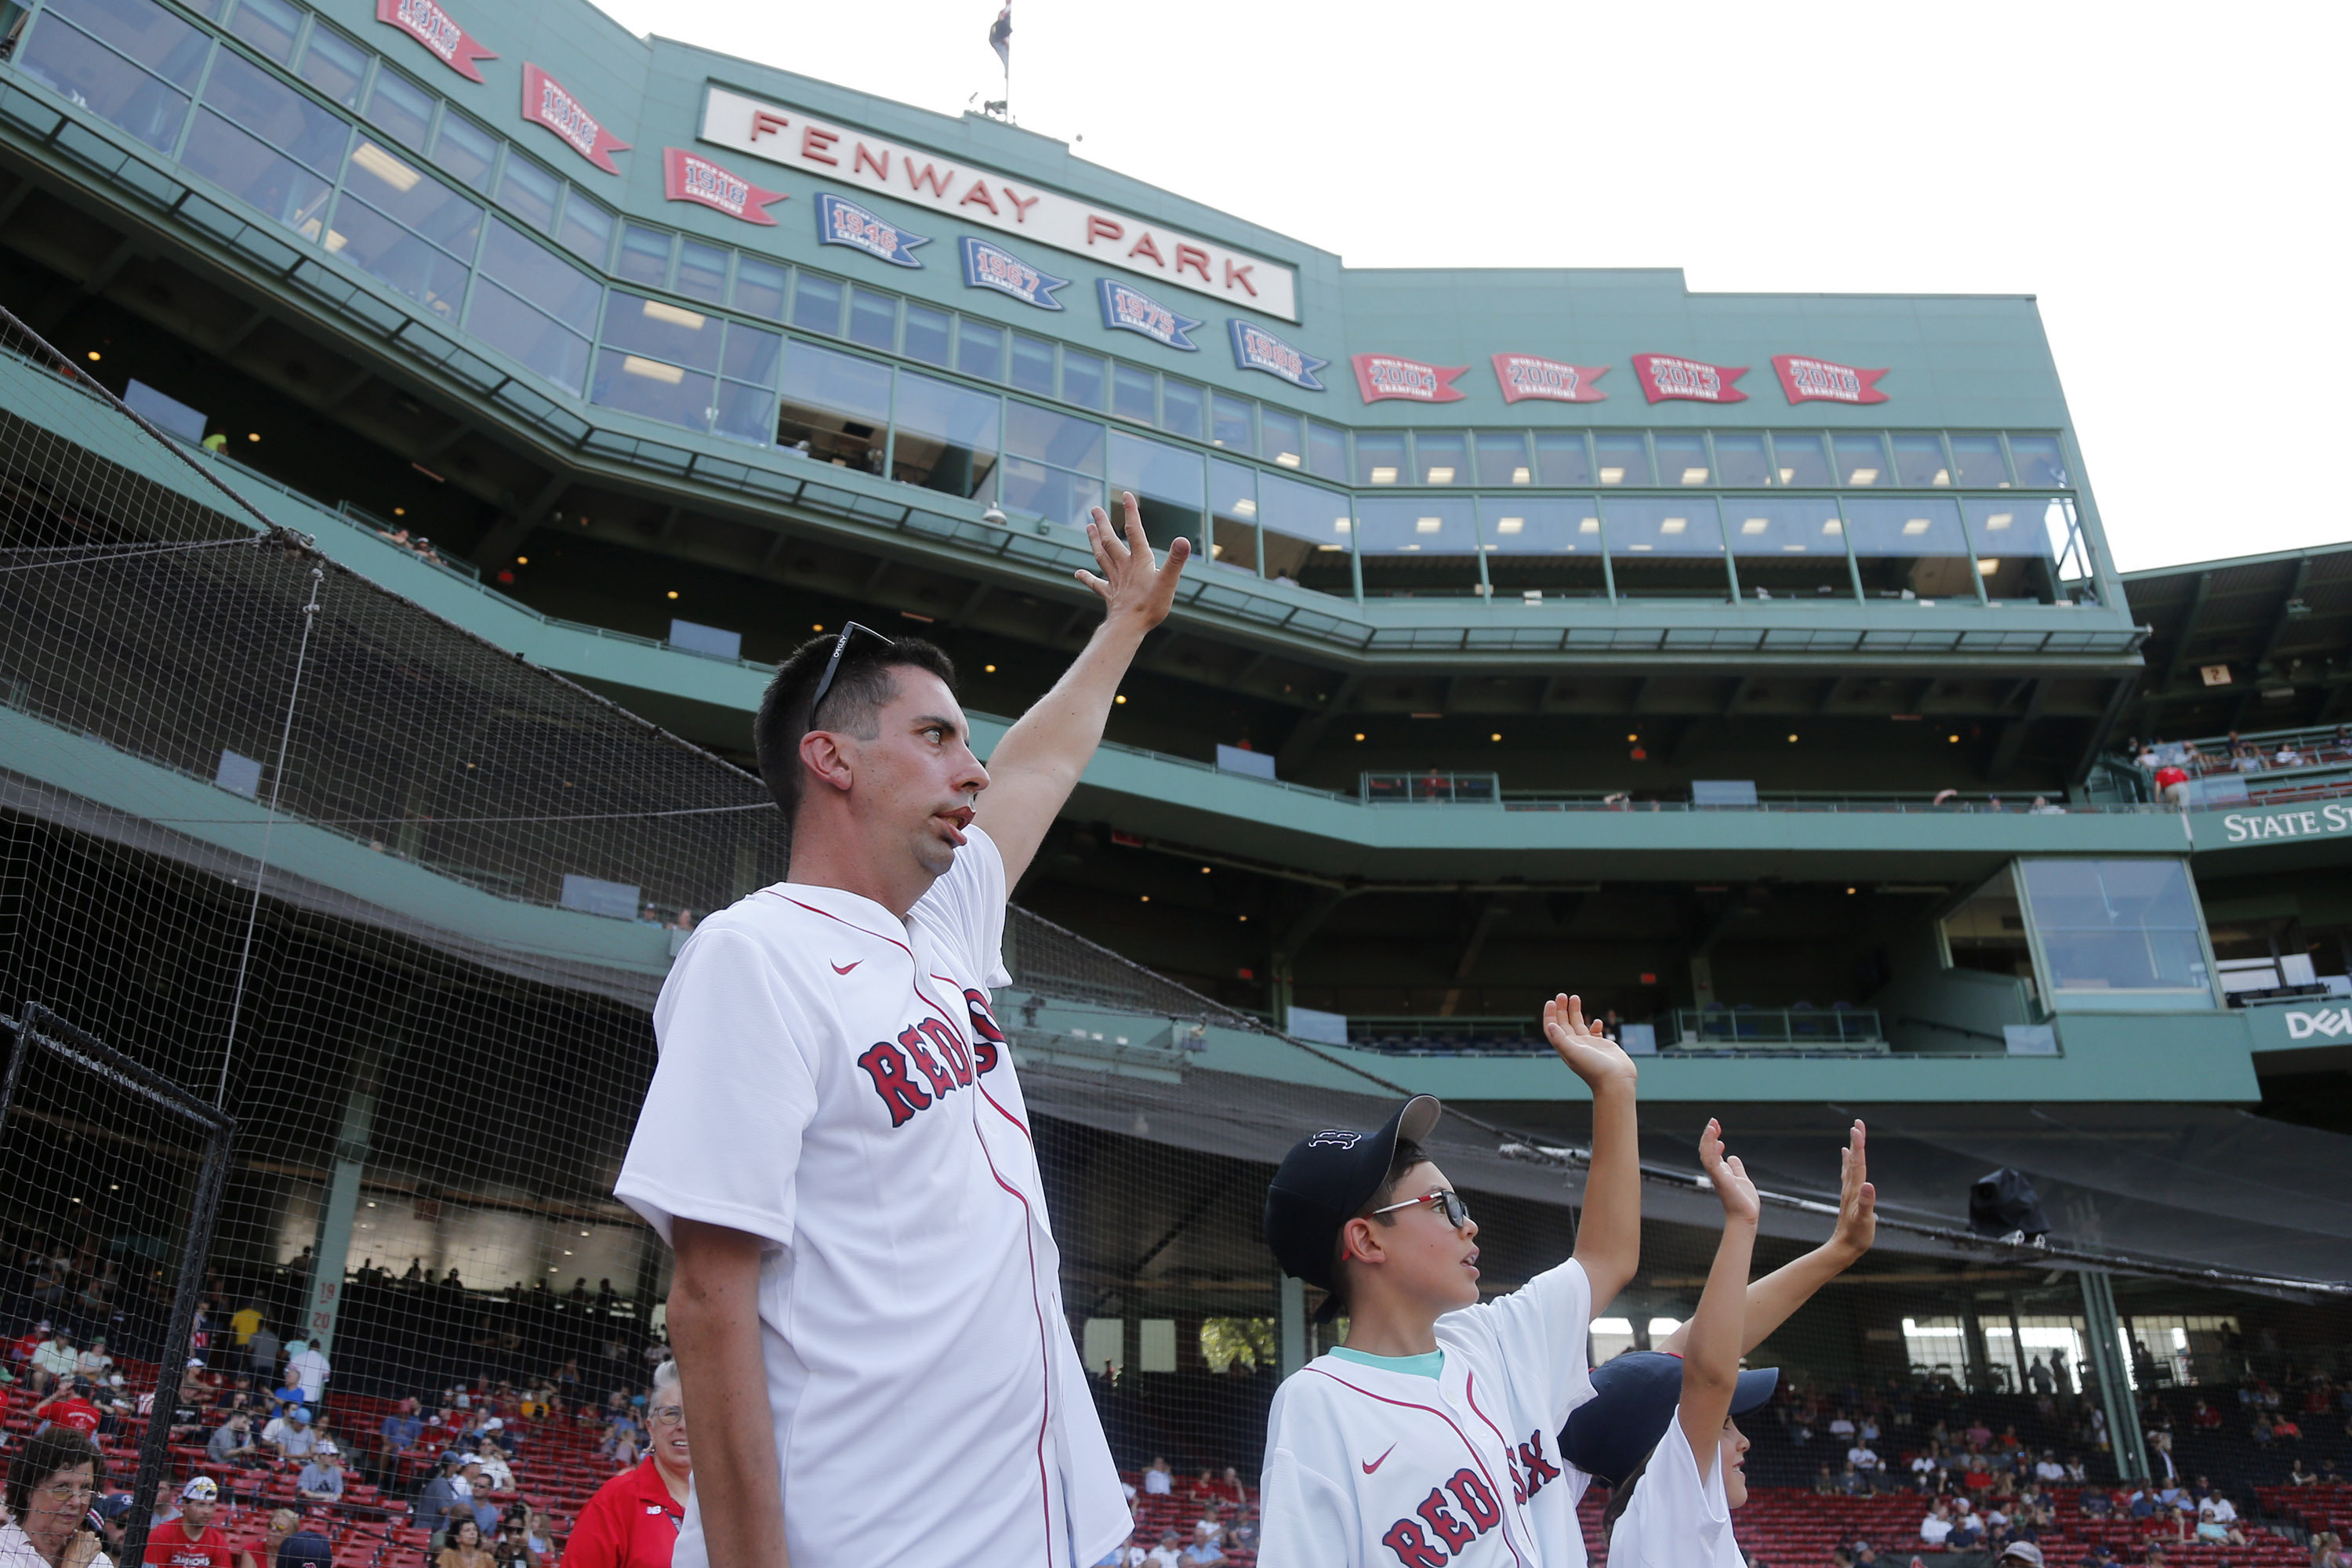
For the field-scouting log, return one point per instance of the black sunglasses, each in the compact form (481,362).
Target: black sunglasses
(832,665)
(1448,1201)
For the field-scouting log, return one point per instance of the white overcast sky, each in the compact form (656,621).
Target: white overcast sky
(2169,181)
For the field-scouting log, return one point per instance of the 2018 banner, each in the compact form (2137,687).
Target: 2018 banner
(1826,381)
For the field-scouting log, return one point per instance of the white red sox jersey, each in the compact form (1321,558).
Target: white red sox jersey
(833,1082)
(1367,1468)
(1675,1519)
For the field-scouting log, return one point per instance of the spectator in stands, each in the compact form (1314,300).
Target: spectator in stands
(2327,1551)
(321,1479)
(2262,1428)
(538,1540)
(2216,1523)
(1167,1555)
(464,1549)
(2048,1470)
(310,1370)
(2102,1555)
(397,1434)
(53,1361)
(1128,1553)
(477,1488)
(632,1521)
(288,1394)
(232,1442)
(68,1406)
(287,1544)
(53,1480)
(94,1364)
(1825,1484)
(2024,1554)
(1842,1427)
(193,1537)
(2286,1428)
(290,1435)
(1864,1458)
(1205,1552)
(1851,1482)
(443,1500)
(497,1474)
(261,1354)
(1159,1480)
(1936,1527)
(2327,1477)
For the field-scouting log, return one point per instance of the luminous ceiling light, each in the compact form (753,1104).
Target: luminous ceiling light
(1326,547)
(1428,524)
(1674,525)
(1244,507)
(1590,525)
(1755,525)
(1788,476)
(1520,475)
(1407,547)
(1383,476)
(1798,548)
(1510,524)
(386,167)
(1863,476)
(1987,568)
(1340,525)
(1490,547)
(1915,527)
(1216,553)
(1998,521)
(1693,476)
(1643,547)
(653,370)
(1613,476)
(336,240)
(676,315)
(1286,459)
(1440,477)
(1832,526)
(1943,477)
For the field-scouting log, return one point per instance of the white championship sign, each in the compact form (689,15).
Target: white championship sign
(842,156)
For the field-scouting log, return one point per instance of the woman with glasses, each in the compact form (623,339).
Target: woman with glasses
(52,1481)
(632,1520)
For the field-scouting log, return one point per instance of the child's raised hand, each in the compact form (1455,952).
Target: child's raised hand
(1590,1054)
(1857,1221)
(1729,1177)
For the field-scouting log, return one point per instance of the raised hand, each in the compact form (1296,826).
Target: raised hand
(1729,1177)
(1590,1054)
(1857,1221)
(1131,584)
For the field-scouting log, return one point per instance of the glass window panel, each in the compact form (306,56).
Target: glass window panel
(1547,545)
(1739,459)
(654,389)
(281,117)
(269,25)
(1326,450)
(1561,458)
(834,406)
(2017,554)
(1040,489)
(1980,463)
(1233,515)
(701,270)
(68,62)
(980,349)
(1409,546)
(2117,925)
(587,230)
(1442,456)
(1082,378)
(1861,458)
(816,304)
(1910,548)
(1230,424)
(645,256)
(528,192)
(1284,434)
(745,413)
(1032,364)
(531,272)
(1797,456)
(415,199)
(1133,393)
(1379,457)
(1665,549)
(2041,462)
(254,172)
(1789,548)
(946,436)
(145,32)
(928,334)
(1622,458)
(1919,462)
(466,150)
(1168,482)
(1057,438)
(1681,459)
(508,322)
(394,254)
(759,287)
(751,354)
(873,318)
(655,329)
(1179,407)
(335,66)
(400,106)
(1305,532)
(1503,457)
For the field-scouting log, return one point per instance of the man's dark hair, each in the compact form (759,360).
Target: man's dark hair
(1406,1156)
(43,1455)
(861,689)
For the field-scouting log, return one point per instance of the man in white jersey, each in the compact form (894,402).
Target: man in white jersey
(1428,1438)
(866,1312)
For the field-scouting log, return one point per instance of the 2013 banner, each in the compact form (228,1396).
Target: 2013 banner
(1668,376)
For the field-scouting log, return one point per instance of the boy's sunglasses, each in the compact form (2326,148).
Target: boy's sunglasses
(1456,1212)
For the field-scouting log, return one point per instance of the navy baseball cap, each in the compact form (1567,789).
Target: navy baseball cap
(1634,1398)
(1326,1179)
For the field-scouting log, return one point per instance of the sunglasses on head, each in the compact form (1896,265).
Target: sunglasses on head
(832,665)
(1448,1201)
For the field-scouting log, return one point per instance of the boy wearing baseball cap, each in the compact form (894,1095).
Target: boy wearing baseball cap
(1427,1438)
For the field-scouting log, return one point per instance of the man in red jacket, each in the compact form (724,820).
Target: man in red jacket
(632,1520)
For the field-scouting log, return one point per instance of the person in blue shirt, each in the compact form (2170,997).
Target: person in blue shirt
(288,1396)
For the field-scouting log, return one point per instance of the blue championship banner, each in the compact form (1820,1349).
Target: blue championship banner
(987,266)
(845,223)
(1129,310)
(1254,348)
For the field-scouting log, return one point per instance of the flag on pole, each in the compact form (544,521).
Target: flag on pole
(1000,36)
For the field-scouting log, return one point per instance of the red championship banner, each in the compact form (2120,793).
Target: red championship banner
(544,103)
(437,31)
(690,177)
(1524,375)
(1380,376)
(1665,376)
(1824,380)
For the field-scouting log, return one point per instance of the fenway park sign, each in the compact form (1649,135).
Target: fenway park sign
(987,198)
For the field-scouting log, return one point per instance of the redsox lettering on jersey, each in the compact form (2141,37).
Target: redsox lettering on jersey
(1463,1507)
(928,1060)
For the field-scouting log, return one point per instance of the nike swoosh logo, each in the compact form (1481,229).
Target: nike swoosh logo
(845,968)
(1371,1465)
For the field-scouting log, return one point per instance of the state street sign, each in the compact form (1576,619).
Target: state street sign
(2308,820)
(843,155)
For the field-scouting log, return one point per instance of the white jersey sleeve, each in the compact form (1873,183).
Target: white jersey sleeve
(1675,1520)
(965,908)
(1539,1332)
(1307,1521)
(719,1138)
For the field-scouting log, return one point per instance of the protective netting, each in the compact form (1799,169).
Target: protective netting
(399,904)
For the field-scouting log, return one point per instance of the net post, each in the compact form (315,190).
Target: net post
(2105,1332)
(330,1255)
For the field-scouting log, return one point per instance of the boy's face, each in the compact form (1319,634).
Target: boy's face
(1420,1258)
(1731,1454)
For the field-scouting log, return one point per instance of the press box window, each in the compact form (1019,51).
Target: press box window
(834,406)
(1789,548)
(1305,532)
(1540,547)
(528,192)
(533,308)
(268,145)
(335,66)
(144,88)
(1052,464)
(2117,931)
(400,106)
(406,227)
(946,435)
(1417,546)
(1987,932)
(269,25)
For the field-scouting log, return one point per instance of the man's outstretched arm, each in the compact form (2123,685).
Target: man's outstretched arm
(714,1330)
(1036,766)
